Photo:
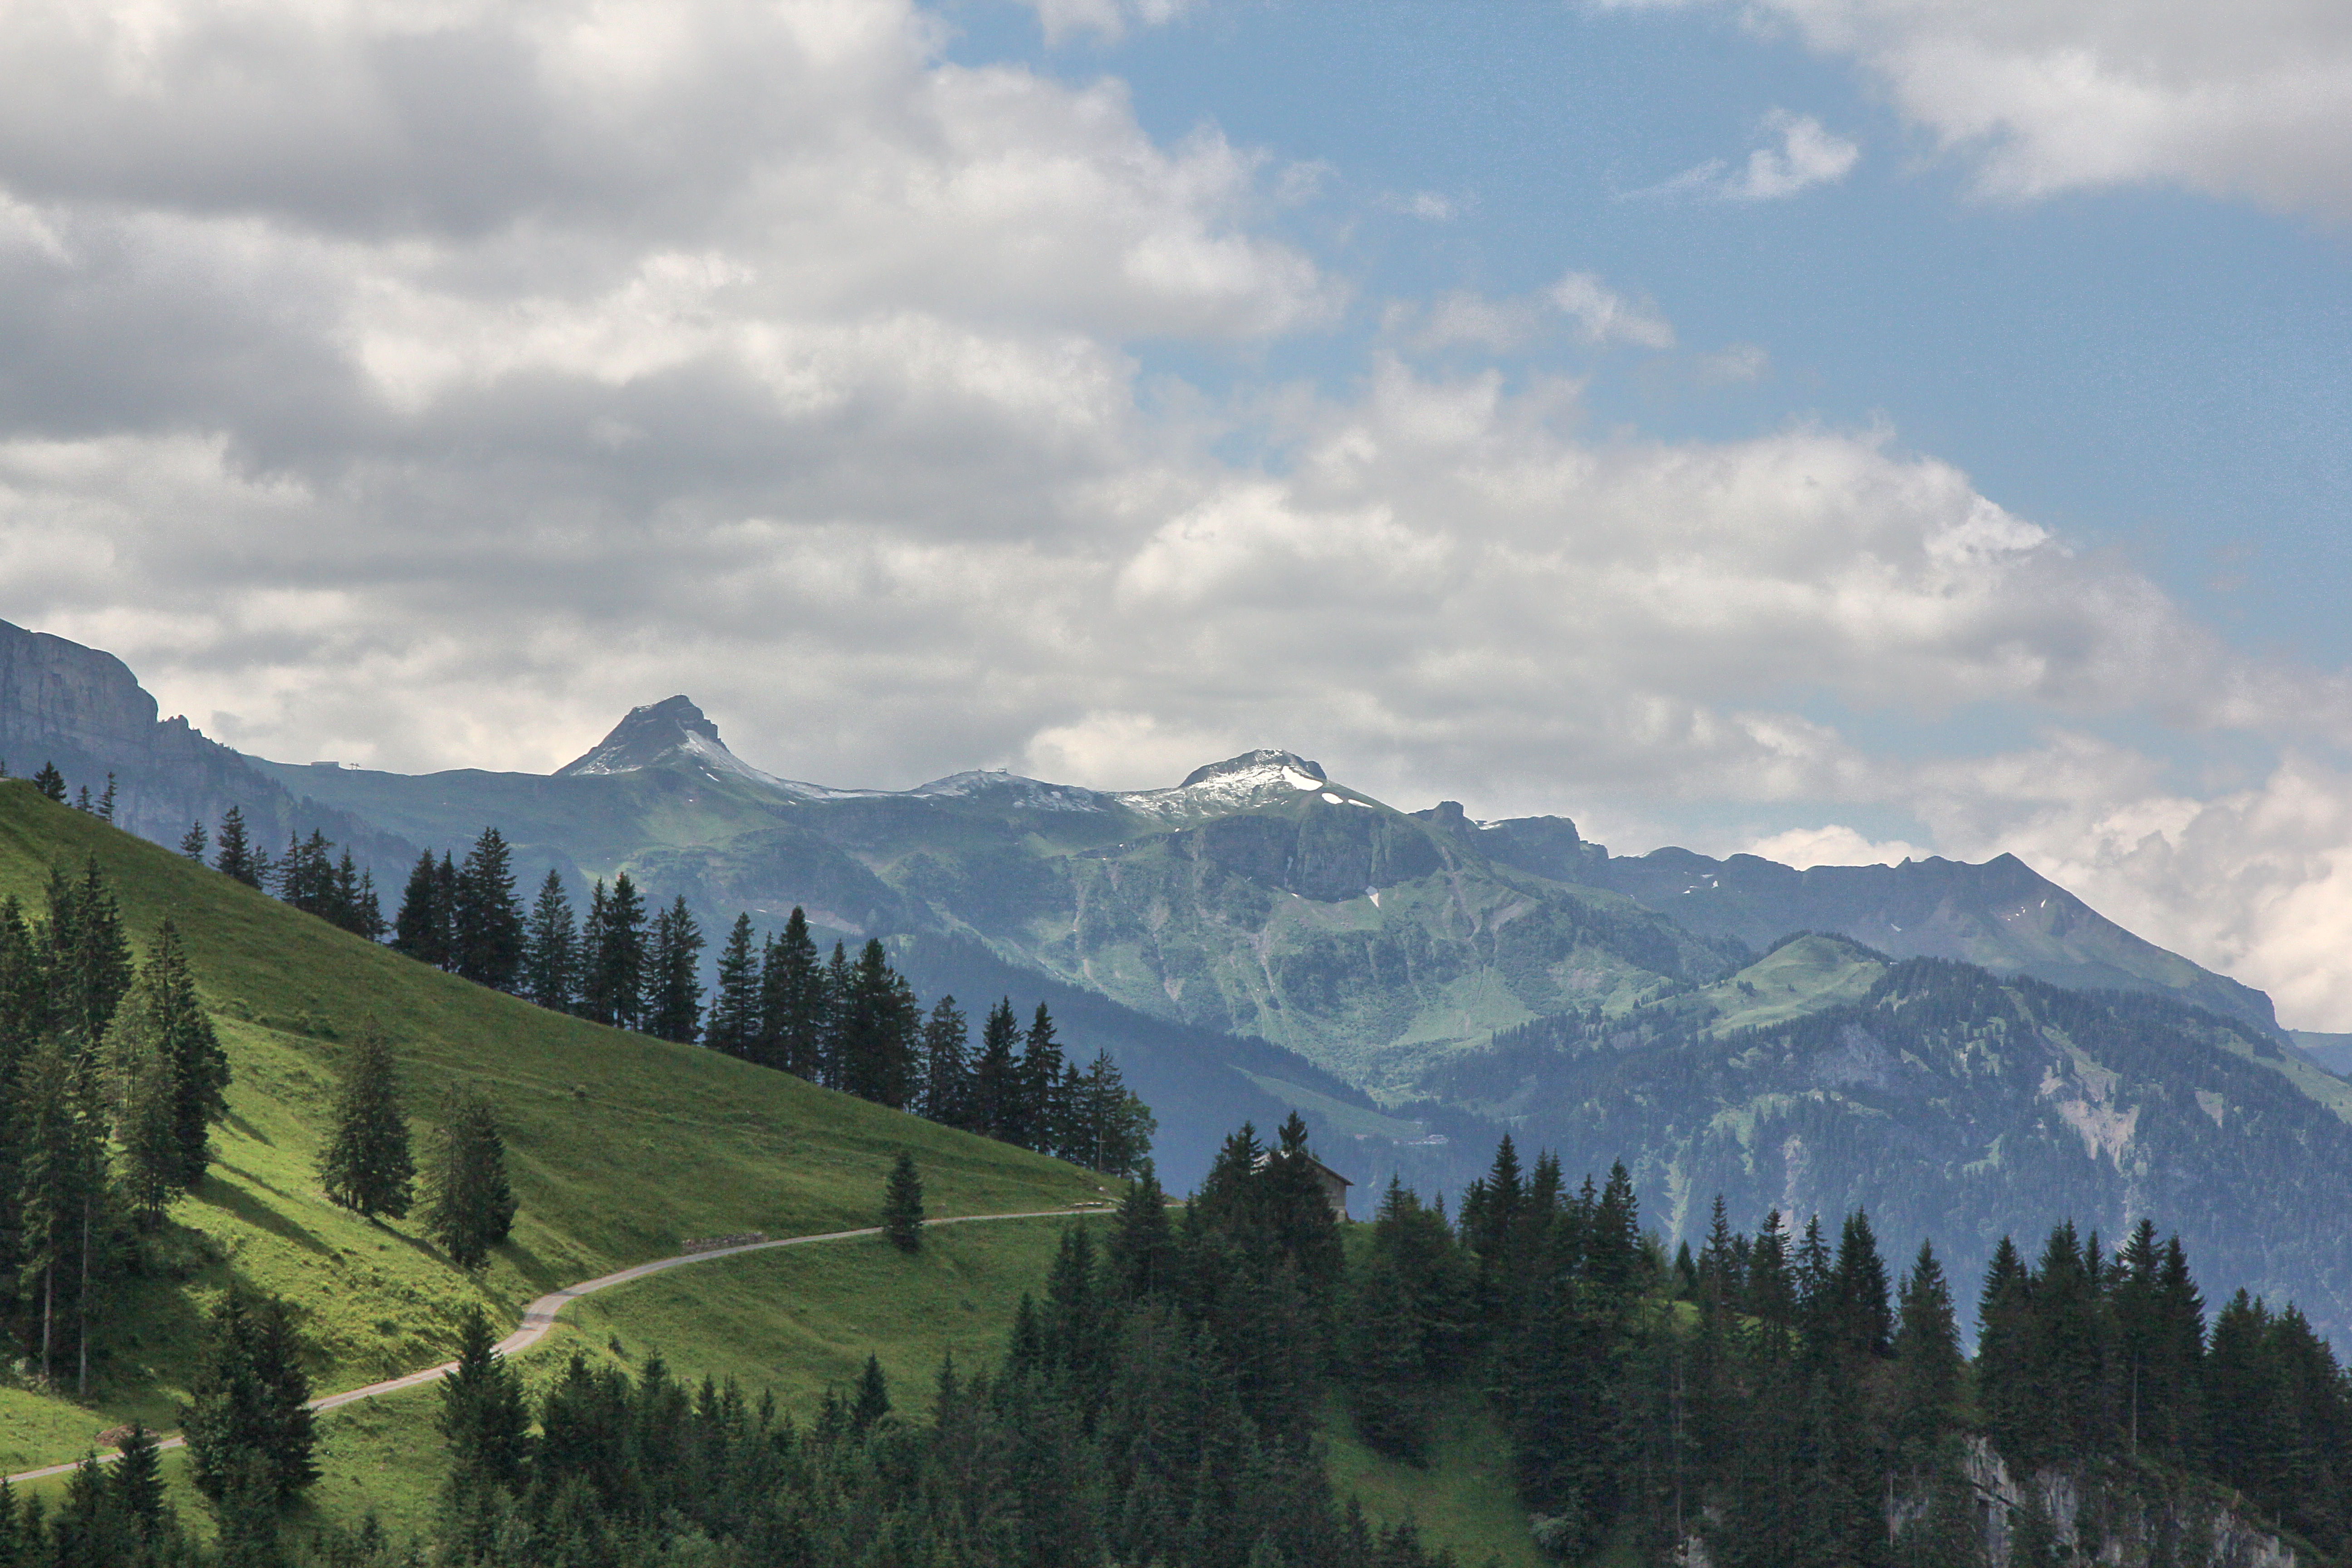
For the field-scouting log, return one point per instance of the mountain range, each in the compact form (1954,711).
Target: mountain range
(1261,936)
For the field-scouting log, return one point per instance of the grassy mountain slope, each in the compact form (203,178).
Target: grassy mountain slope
(2000,915)
(621,1147)
(1367,941)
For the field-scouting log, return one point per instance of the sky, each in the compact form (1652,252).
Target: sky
(1838,429)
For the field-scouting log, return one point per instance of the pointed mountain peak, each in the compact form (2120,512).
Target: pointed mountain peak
(649,734)
(1258,762)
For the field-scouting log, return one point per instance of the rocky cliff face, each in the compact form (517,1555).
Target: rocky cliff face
(2105,1516)
(83,710)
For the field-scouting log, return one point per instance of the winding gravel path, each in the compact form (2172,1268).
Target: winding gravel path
(540,1316)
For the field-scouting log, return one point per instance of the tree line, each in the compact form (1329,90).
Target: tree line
(851,1024)
(110,1080)
(1789,1399)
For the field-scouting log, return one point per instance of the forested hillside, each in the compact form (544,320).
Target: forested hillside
(1771,1399)
(1952,1103)
(618,1147)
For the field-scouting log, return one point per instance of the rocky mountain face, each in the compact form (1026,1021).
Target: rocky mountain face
(1261,936)
(83,710)
(1950,1103)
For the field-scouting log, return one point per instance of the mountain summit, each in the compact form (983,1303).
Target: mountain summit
(650,733)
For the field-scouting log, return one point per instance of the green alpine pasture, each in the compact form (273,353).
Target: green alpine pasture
(621,1147)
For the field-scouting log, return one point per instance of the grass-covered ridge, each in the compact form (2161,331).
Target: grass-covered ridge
(621,1147)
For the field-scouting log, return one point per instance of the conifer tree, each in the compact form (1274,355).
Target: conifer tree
(482,1413)
(1110,1128)
(734,1026)
(672,1008)
(997,1108)
(614,987)
(795,1017)
(485,917)
(833,1052)
(876,1029)
(1864,1324)
(59,1139)
(421,928)
(902,1205)
(1045,1113)
(2005,1398)
(50,783)
(89,959)
(1143,1254)
(138,1490)
(551,949)
(247,1424)
(470,1205)
(235,856)
(367,1166)
(873,1401)
(194,842)
(1927,1363)
(106,801)
(165,1075)
(947,1087)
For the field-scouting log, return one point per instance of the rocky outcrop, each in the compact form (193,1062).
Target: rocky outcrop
(2115,1519)
(83,710)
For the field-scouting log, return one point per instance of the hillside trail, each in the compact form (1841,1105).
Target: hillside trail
(540,1316)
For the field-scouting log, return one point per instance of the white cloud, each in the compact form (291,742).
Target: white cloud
(1833,844)
(1430,206)
(1603,316)
(1807,156)
(425,385)
(1108,20)
(2251,100)
(1738,365)
(2254,881)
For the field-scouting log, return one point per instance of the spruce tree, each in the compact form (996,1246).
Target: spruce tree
(947,1087)
(470,1204)
(1111,1129)
(367,1166)
(902,1205)
(89,959)
(106,801)
(734,1026)
(2006,1398)
(50,783)
(996,1107)
(482,1415)
(174,1017)
(139,1104)
(421,930)
(194,842)
(832,1049)
(250,1434)
(672,1008)
(1927,1363)
(875,1031)
(1045,1116)
(138,1489)
(59,1139)
(613,987)
(485,918)
(551,949)
(794,1002)
(235,856)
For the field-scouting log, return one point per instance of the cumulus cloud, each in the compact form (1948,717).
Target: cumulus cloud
(1807,156)
(2254,881)
(422,385)
(1833,844)
(2249,100)
(1600,316)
